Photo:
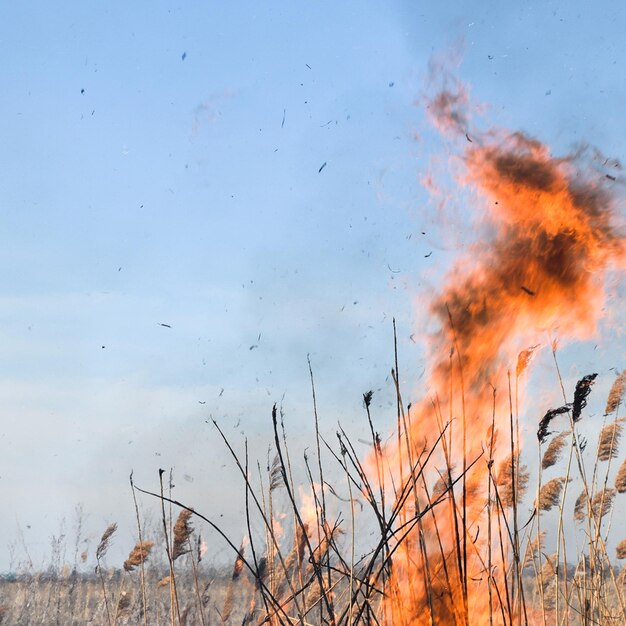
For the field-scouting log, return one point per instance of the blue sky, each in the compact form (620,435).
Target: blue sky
(160,164)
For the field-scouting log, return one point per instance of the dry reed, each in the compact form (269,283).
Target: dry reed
(550,493)
(182,532)
(440,487)
(105,541)
(548,578)
(523,360)
(316,582)
(507,472)
(620,478)
(553,452)
(229,601)
(138,555)
(616,395)
(609,440)
(579,507)
(601,503)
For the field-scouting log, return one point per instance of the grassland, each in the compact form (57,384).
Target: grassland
(445,551)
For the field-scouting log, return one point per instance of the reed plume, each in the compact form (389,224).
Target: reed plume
(620,478)
(103,546)
(182,532)
(550,493)
(579,507)
(609,440)
(293,561)
(138,555)
(601,503)
(548,574)
(523,359)
(534,548)
(536,545)
(620,550)
(101,550)
(295,557)
(230,595)
(440,487)
(508,470)
(616,395)
(276,474)
(553,452)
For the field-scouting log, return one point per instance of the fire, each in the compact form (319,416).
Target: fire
(552,239)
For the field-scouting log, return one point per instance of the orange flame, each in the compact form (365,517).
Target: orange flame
(552,239)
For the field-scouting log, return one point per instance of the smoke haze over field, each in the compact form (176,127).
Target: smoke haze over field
(194,198)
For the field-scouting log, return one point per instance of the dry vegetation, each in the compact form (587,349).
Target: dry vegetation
(304,569)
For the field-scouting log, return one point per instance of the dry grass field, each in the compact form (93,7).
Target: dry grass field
(447,550)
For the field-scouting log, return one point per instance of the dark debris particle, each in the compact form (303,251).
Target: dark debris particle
(82,91)
(530,292)
(322,167)
(184,56)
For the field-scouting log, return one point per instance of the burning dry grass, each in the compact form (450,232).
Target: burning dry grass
(550,238)
(310,574)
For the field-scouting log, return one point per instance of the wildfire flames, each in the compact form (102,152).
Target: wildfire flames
(552,239)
